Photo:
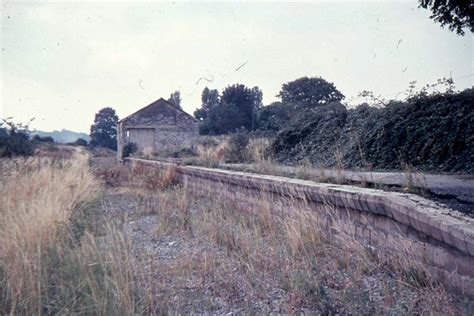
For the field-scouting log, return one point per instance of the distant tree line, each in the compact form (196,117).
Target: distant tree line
(428,130)
(240,107)
(16,140)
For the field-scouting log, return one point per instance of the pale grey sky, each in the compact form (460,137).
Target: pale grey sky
(63,61)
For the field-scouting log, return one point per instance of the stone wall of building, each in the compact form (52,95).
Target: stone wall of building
(390,222)
(171,128)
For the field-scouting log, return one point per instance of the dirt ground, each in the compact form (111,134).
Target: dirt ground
(176,273)
(182,270)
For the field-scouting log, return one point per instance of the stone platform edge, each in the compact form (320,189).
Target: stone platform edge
(427,217)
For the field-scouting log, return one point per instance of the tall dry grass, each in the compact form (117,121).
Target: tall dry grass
(258,150)
(288,247)
(215,154)
(37,203)
(310,255)
(50,261)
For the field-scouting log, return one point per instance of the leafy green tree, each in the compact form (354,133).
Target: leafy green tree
(104,129)
(210,100)
(224,114)
(310,92)
(456,15)
(207,114)
(175,99)
(239,107)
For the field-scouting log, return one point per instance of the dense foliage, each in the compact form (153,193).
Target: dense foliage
(235,108)
(175,99)
(237,146)
(241,107)
(79,142)
(274,117)
(210,101)
(309,92)
(15,140)
(104,129)
(45,139)
(456,14)
(429,132)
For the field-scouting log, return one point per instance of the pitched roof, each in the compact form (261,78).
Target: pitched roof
(162,101)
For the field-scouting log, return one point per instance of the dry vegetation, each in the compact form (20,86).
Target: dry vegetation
(122,241)
(209,254)
(52,258)
(254,155)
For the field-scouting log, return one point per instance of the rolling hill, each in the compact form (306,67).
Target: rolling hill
(63,136)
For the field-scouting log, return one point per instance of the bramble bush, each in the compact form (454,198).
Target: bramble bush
(429,132)
(15,140)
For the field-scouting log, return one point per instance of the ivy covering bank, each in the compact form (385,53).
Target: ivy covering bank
(427,132)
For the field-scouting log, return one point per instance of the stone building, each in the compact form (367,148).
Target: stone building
(157,127)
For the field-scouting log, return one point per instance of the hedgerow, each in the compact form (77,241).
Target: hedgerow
(428,132)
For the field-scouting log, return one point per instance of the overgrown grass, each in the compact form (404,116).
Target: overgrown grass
(58,256)
(52,259)
(312,259)
(290,256)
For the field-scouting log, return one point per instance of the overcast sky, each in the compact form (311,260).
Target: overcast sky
(63,61)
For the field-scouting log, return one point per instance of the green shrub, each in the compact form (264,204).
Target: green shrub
(313,130)
(15,140)
(79,142)
(46,139)
(429,132)
(274,117)
(238,146)
(129,149)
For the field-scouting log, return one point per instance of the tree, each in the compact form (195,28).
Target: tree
(224,114)
(210,100)
(207,114)
(175,99)
(240,103)
(456,14)
(104,129)
(309,92)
